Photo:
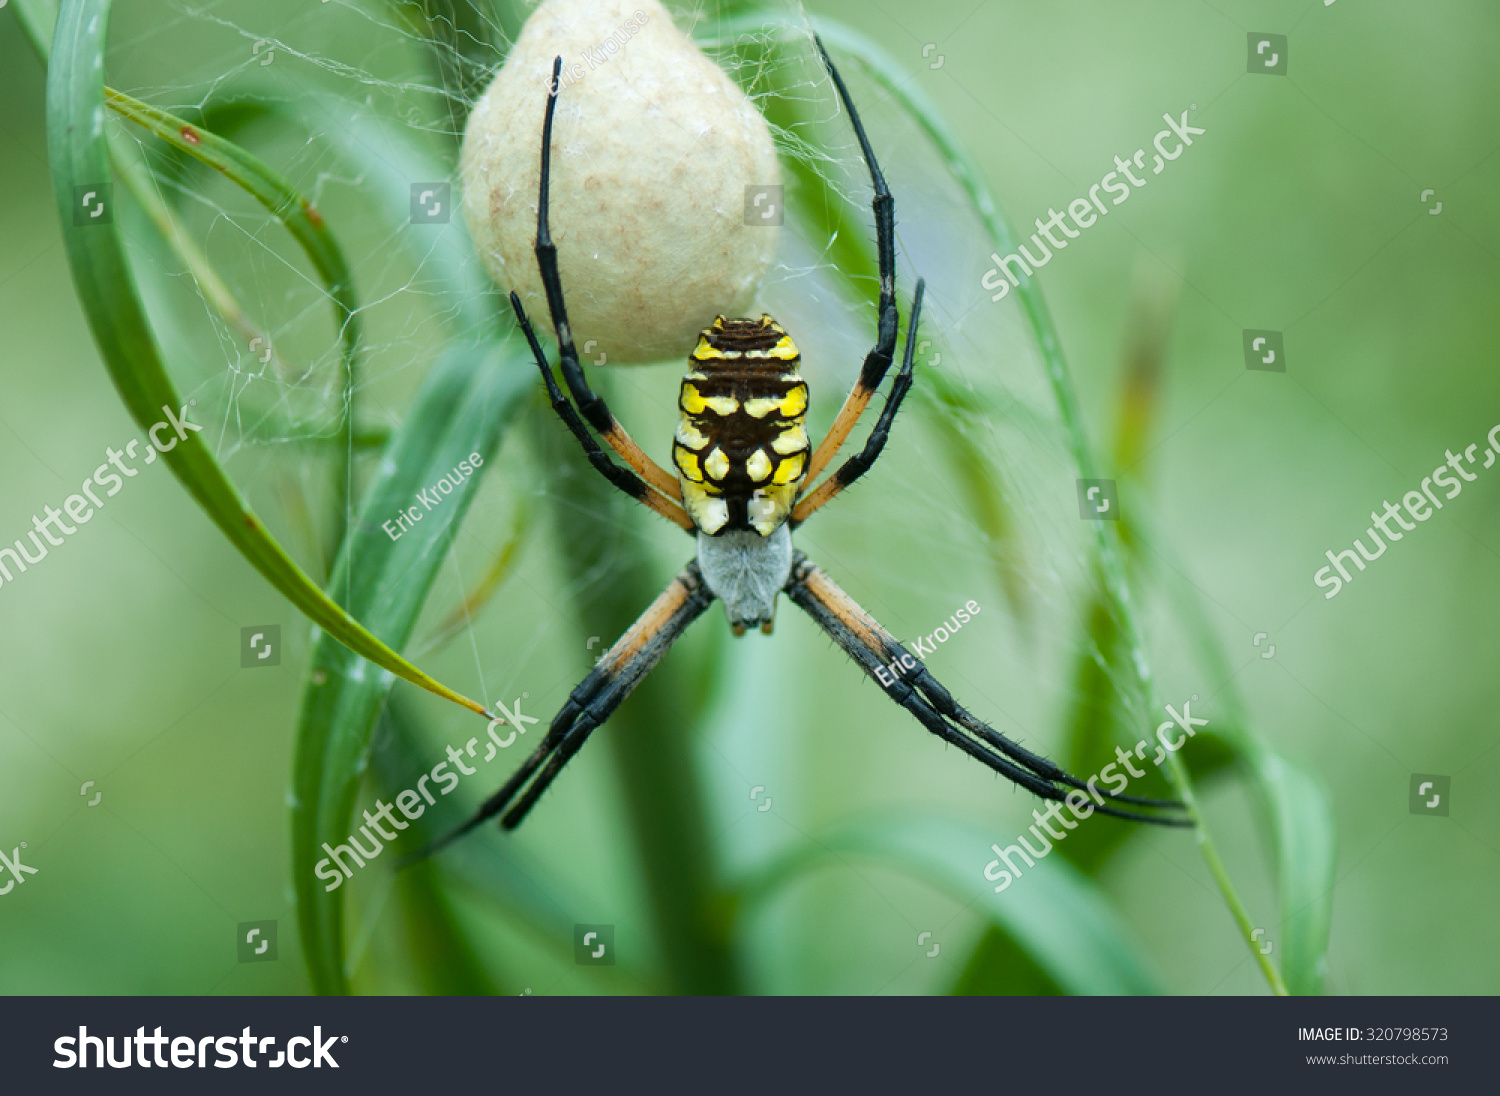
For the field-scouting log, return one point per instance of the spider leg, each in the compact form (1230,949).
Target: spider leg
(860,463)
(943,701)
(618,671)
(905,680)
(594,409)
(878,360)
(622,478)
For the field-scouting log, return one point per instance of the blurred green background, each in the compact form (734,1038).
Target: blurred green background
(1299,211)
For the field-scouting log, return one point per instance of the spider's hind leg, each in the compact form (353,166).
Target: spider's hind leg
(618,671)
(906,680)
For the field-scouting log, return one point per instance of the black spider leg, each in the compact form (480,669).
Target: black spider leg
(615,676)
(860,463)
(879,358)
(863,640)
(595,411)
(593,408)
(623,478)
(622,668)
(936,695)
(943,701)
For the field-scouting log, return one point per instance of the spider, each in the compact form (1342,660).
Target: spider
(743,467)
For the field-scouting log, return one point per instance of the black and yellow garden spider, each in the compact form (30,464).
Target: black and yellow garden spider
(743,464)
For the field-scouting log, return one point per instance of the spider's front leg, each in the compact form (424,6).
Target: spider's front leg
(614,677)
(878,360)
(590,403)
(904,678)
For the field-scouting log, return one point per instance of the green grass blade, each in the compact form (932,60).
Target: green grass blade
(461,408)
(386,158)
(1295,804)
(302,219)
(38,17)
(1053,913)
(1301,813)
(106,290)
(446,961)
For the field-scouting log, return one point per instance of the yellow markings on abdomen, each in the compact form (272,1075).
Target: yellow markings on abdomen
(758,467)
(790,470)
(717,464)
(695,403)
(790,440)
(687,463)
(689,435)
(741,446)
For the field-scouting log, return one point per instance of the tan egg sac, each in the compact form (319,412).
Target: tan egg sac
(653,147)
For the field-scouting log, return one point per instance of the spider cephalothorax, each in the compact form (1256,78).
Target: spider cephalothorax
(743,464)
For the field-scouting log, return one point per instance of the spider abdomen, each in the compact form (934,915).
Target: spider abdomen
(741,447)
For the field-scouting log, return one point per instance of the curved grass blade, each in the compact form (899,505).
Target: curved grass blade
(302,219)
(1302,828)
(106,290)
(387,160)
(1295,803)
(1054,914)
(1097,719)
(38,17)
(461,408)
